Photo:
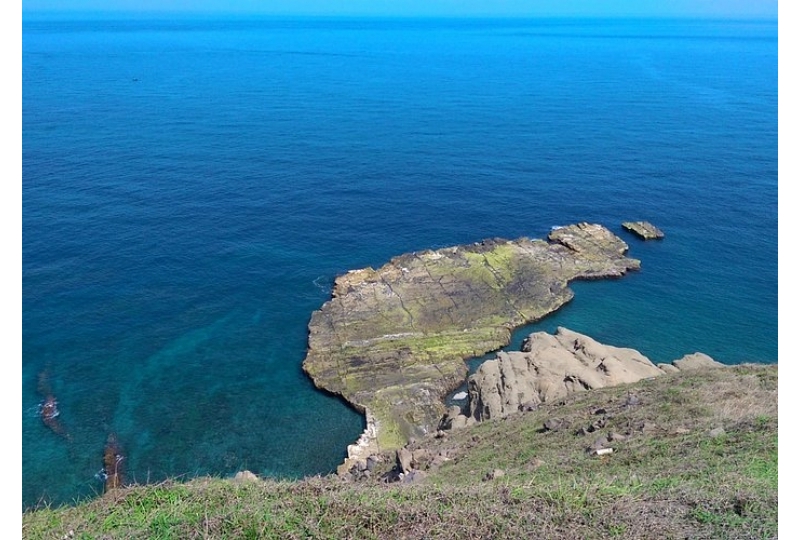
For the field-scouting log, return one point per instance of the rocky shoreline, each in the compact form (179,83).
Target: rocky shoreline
(392,341)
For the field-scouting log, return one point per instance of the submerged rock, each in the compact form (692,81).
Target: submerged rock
(393,341)
(48,408)
(113,464)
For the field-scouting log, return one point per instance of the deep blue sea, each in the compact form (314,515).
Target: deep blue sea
(192,187)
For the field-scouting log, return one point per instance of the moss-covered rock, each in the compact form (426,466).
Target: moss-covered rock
(393,341)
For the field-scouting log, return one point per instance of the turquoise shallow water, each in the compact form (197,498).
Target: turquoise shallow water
(192,187)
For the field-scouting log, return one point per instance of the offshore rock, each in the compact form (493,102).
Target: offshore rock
(645,229)
(392,341)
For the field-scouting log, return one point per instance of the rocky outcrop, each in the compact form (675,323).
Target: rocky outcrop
(696,361)
(645,229)
(550,367)
(243,477)
(392,341)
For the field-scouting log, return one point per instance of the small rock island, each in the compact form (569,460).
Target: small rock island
(393,341)
(644,229)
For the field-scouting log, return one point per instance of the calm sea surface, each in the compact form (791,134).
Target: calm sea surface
(191,188)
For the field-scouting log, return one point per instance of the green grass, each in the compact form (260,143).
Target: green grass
(671,477)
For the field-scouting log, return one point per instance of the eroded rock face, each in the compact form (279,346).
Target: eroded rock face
(548,368)
(393,341)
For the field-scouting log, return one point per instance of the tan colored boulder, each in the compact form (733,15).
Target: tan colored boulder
(668,368)
(696,361)
(245,476)
(549,368)
(404,459)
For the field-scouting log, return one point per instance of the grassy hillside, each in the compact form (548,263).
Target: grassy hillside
(694,455)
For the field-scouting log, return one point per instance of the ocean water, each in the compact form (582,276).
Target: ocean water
(192,187)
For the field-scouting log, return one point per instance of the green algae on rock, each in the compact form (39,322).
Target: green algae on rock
(393,341)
